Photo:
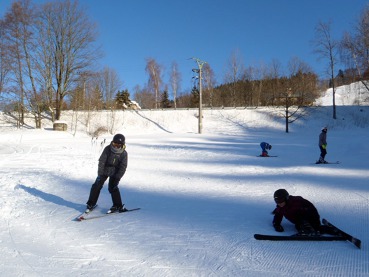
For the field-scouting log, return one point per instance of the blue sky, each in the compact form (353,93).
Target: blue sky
(174,30)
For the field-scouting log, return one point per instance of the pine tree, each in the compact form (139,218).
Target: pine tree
(165,102)
(122,99)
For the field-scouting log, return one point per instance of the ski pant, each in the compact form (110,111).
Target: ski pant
(323,152)
(113,189)
(312,220)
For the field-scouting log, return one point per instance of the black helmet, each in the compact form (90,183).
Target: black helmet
(270,147)
(119,138)
(281,195)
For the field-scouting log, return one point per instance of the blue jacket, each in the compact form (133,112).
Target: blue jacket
(264,146)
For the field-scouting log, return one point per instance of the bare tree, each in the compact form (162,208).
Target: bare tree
(355,47)
(361,39)
(175,80)
(302,80)
(350,53)
(155,80)
(71,37)
(4,67)
(297,91)
(13,38)
(22,39)
(274,74)
(209,83)
(109,85)
(234,74)
(251,77)
(327,48)
(144,97)
(290,116)
(45,61)
(4,58)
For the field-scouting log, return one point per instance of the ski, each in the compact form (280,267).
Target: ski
(266,156)
(298,238)
(85,214)
(348,237)
(337,162)
(107,214)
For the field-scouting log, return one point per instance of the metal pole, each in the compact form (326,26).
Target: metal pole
(200,64)
(200,101)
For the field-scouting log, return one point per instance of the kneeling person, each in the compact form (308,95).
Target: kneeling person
(298,211)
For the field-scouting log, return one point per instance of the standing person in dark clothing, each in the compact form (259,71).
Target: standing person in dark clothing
(112,165)
(323,145)
(298,211)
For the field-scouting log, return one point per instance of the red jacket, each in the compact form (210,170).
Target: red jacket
(296,210)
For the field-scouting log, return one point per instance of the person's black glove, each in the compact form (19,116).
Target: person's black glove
(278,228)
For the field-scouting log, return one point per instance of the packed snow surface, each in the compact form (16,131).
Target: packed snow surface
(202,196)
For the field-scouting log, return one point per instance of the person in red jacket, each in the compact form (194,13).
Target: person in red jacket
(298,211)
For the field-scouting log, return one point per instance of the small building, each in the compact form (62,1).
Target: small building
(60,126)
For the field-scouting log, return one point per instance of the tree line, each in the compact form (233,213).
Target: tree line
(48,52)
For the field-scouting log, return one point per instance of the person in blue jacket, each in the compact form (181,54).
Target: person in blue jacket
(264,147)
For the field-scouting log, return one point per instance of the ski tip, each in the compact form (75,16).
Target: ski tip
(356,242)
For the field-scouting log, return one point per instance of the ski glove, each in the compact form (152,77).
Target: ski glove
(278,228)
(324,146)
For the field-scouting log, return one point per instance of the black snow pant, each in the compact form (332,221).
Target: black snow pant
(113,189)
(323,152)
(310,220)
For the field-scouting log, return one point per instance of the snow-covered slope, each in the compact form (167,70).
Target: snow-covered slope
(202,196)
(353,94)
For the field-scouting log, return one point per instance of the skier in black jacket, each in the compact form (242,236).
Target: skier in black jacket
(112,165)
(300,212)
(297,210)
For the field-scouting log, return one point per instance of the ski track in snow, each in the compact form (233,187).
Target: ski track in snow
(202,198)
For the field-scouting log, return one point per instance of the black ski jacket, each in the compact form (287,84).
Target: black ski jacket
(297,210)
(112,164)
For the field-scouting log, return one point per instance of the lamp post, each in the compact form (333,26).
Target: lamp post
(200,64)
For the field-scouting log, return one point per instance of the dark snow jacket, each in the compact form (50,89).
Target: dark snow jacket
(322,139)
(297,210)
(113,162)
